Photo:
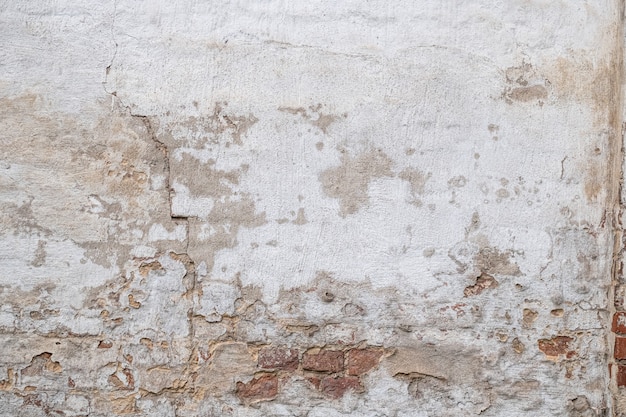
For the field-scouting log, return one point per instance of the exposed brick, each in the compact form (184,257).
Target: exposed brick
(619,351)
(360,361)
(123,379)
(483,282)
(315,381)
(558,345)
(278,358)
(259,389)
(40,364)
(621,375)
(336,387)
(323,361)
(7,384)
(619,322)
(105,344)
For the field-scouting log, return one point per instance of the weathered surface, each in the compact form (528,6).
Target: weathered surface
(296,208)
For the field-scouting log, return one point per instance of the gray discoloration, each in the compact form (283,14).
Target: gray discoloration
(314,116)
(502,193)
(525,85)
(444,363)
(474,224)
(300,218)
(219,126)
(493,261)
(204,179)
(349,182)
(417,180)
(458,181)
(236,213)
(525,94)
(219,230)
(40,254)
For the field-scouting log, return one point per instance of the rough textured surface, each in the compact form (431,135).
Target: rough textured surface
(384,208)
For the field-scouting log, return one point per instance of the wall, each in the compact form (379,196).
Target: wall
(310,208)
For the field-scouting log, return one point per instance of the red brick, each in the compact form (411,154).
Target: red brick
(278,358)
(315,381)
(558,345)
(105,344)
(360,361)
(336,387)
(621,376)
(619,322)
(323,361)
(259,389)
(619,352)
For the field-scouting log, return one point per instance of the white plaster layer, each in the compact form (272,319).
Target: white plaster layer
(425,188)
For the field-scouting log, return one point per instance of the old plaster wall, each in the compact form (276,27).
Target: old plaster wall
(320,208)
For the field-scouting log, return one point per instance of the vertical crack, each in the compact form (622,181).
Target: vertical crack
(190,277)
(162,147)
(108,68)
